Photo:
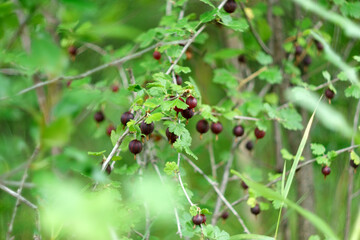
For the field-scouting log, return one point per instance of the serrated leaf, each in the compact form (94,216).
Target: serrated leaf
(208,16)
(171,168)
(207,114)
(355,157)
(225,78)
(263,58)
(353,91)
(251,202)
(322,160)
(271,75)
(286,154)
(205,211)
(193,210)
(290,119)
(208,3)
(168,105)
(154,118)
(317,149)
(179,69)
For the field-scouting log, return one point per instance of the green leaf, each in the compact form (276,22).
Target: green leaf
(263,58)
(205,211)
(179,69)
(208,3)
(208,16)
(171,168)
(353,91)
(322,160)
(168,105)
(355,157)
(286,154)
(58,133)
(205,111)
(351,9)
(317,149)
(290,119)
(193,210)
(326,75)
(271,75)
(134,88)
(320,224)
(96,153)
(225,78)
(153,118)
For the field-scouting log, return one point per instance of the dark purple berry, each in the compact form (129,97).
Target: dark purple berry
(126,117)
(135,147)
(353,164)
(187,113)
(225,215)
(147,129)
(242,59)
(99,116)
(319,46)
(329,93)
(204,218)
(326,171)
(191,102)
(259,133)
(216,128)
(197,219)
(298,50)
(249,145)
(108,169)
(109,129)
(255,210)
(202,127)
(157,55)
(244,185)
(72,50)
(178,80)
(238,131)
(171,136)
(230,6)
(307,60)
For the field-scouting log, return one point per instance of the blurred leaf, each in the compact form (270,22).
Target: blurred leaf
(96,153)
(58,133)
(153,118)
(263,58)
(171,168)
(193,210)
(271,75)
(251,236)
(355,157)
(317,149)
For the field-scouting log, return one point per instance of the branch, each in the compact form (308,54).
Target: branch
(18,196)
(351,176)
(217,190)
(97,69)
(253,31)
(24,177)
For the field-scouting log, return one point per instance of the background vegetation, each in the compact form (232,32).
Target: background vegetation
(267,65)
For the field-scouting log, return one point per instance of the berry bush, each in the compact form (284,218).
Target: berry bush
(106,107)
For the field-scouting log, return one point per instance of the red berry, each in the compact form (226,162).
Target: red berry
(249,145)
(238,131)
(225,215)
(298,50)
(171,136)
(197,219)
(307,60)
(329,94)
(255,210)
(68,83)
(157,55)
(135,146)
(187,113)
(191,102)
(178,80)
(147,129)
(259,133)
(202,126)
(242,58)
(216,128)
(230,6)
(109,129)
(99,116)
(244,185)
(115,88)
(126,117)
(108,169)
(326,171)
(72,50)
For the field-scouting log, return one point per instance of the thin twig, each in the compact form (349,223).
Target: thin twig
(217,190)
(18,201)
(351,176)
(253,31)
(212,160)
(98,68)
(251,77)
(18,196)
